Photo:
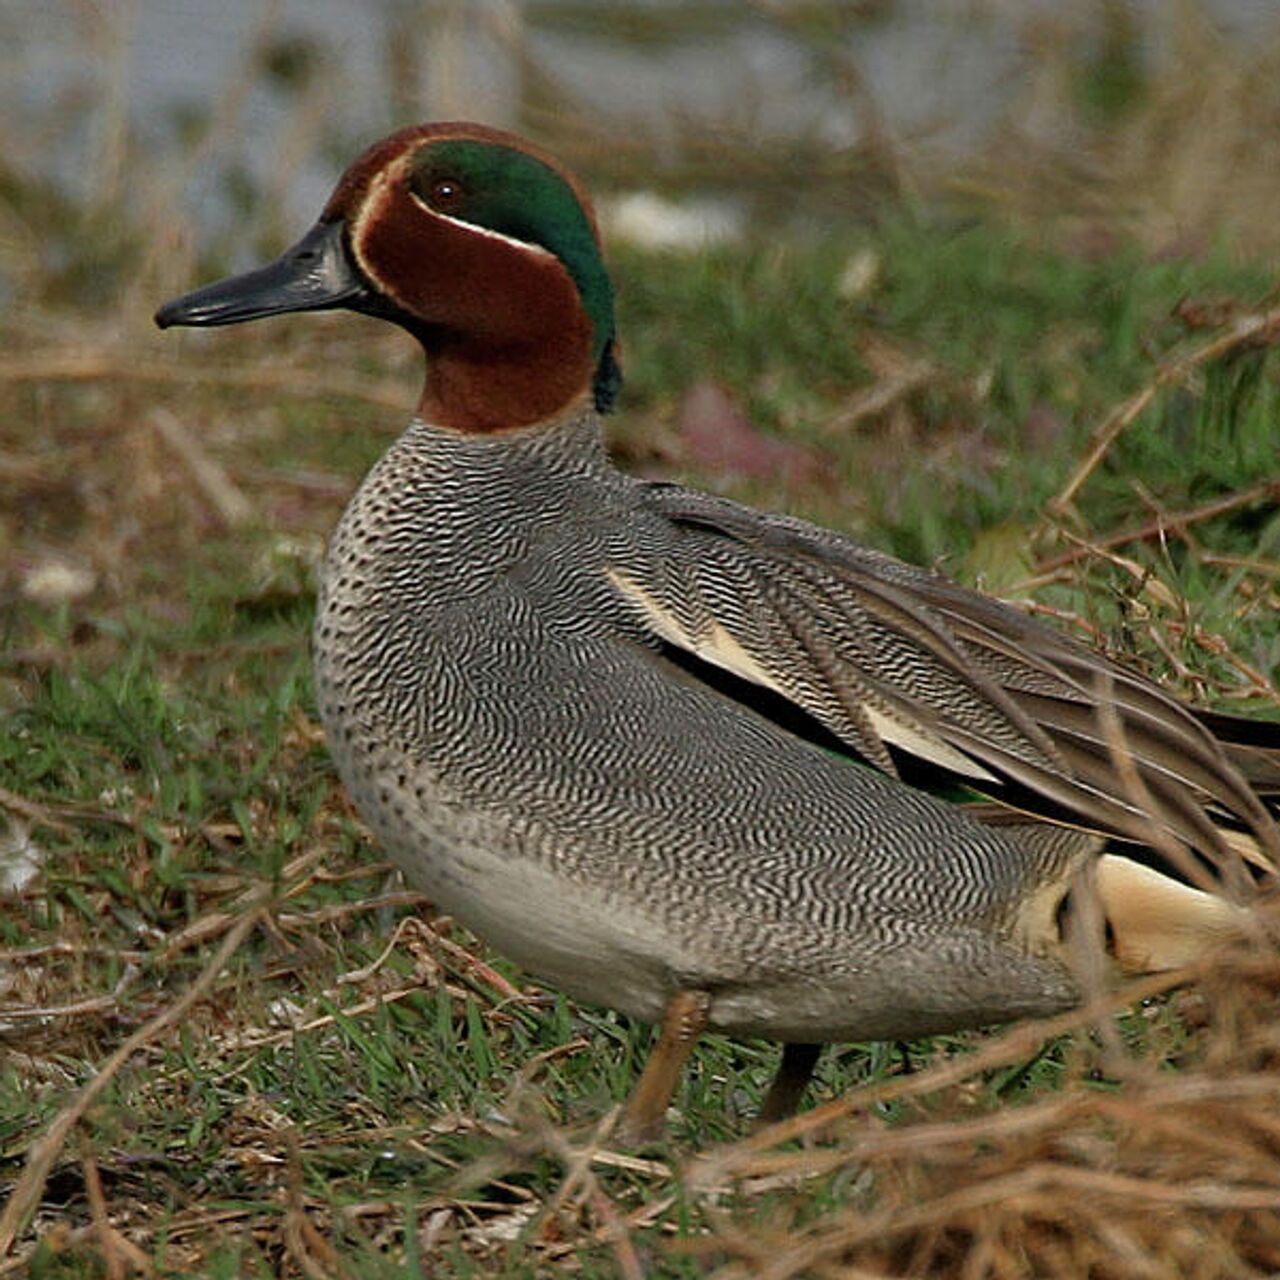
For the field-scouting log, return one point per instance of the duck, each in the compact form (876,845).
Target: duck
(686,759)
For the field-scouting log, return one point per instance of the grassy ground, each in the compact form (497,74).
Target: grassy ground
(298,1069)
(360,1088)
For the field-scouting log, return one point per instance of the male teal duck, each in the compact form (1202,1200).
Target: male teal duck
(650,743)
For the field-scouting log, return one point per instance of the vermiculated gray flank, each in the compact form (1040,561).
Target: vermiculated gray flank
(507,721)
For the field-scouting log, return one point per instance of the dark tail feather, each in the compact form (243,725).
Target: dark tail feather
(1253,746)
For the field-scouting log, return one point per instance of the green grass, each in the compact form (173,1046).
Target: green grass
(1009,325)
(161,731)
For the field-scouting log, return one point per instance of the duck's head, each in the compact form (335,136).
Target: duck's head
(480,245)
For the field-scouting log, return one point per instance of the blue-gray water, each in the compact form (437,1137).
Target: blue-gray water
(942,72)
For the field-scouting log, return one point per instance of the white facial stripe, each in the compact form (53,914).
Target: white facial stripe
(370,207)
(479,230)
(383,191)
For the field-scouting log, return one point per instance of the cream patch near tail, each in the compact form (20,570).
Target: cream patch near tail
(1157,922)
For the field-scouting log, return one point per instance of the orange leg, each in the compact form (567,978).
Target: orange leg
(794,1074)
(645,1113)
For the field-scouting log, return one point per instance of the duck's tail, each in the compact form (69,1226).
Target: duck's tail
(1253,746)
(1151,920)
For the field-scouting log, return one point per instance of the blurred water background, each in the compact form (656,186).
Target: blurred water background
(235,117)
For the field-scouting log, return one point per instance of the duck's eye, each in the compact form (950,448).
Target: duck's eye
(445,193)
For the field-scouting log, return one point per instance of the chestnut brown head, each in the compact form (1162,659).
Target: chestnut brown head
(481,246)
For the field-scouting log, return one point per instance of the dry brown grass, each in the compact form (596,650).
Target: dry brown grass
(1131,1170)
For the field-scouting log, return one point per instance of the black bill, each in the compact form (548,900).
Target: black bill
(315,274)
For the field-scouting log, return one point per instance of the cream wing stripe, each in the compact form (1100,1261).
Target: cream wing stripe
(718,646)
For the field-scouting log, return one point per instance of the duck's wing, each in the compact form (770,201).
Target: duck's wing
(900,664)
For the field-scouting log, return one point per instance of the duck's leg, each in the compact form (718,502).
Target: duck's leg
(644,1115)
(794,1073)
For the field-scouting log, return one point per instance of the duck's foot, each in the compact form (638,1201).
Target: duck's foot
(794,1073)
(644,1116)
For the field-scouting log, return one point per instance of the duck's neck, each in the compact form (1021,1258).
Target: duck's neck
(481,391)
(565,443)
(441,495)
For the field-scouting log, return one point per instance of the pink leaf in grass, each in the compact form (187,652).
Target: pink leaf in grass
(718,436)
